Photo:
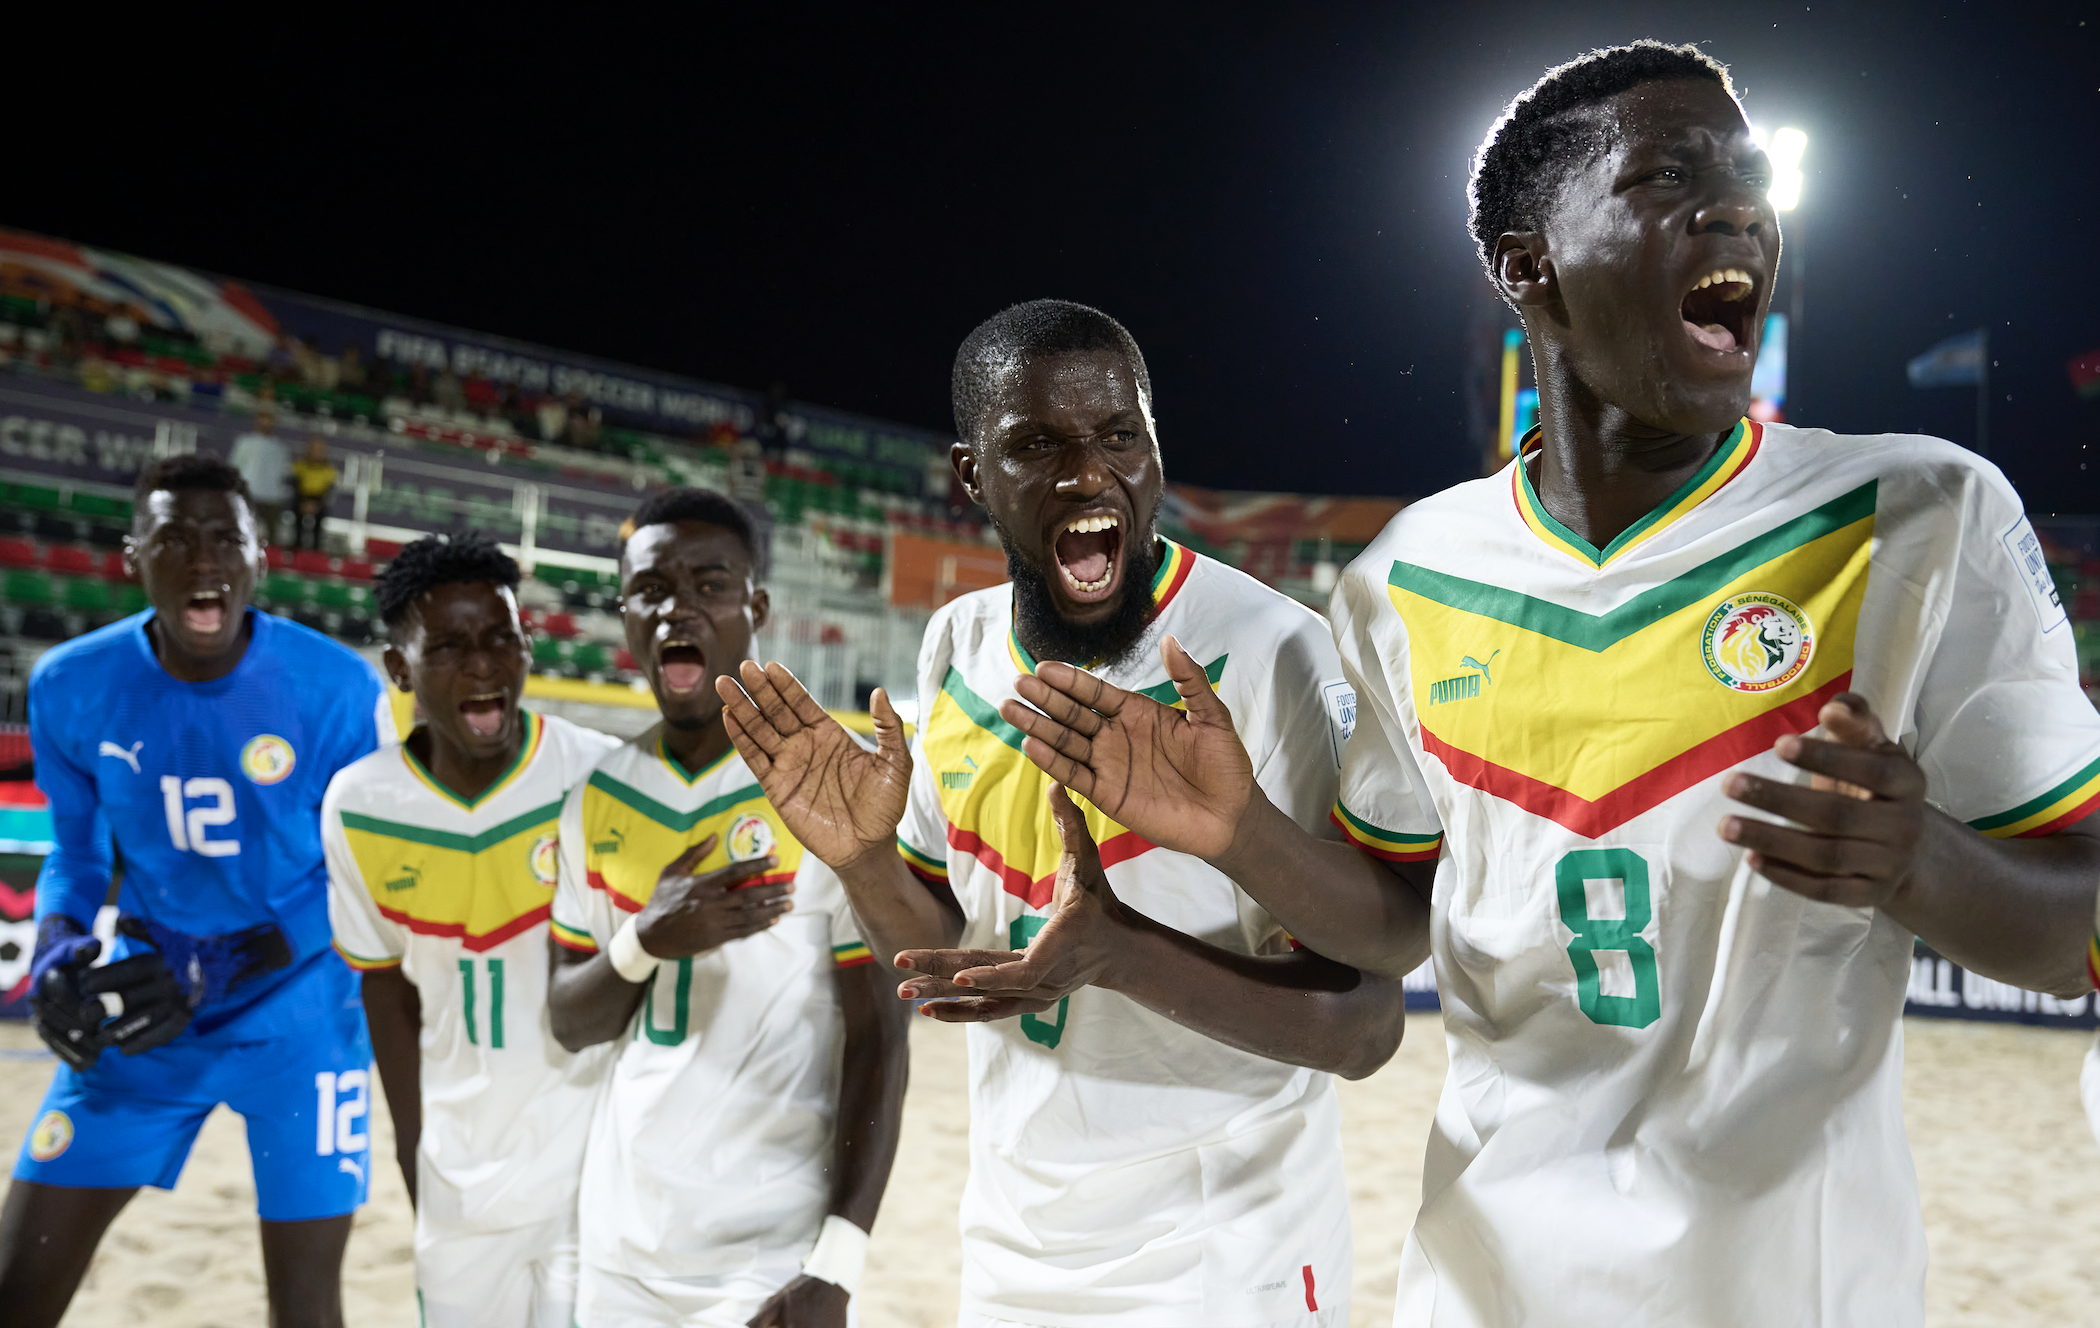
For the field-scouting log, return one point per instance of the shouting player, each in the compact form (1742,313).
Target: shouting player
(194,742)
(441,856)
(740,1151)
(1162,1147)
(1676,1065)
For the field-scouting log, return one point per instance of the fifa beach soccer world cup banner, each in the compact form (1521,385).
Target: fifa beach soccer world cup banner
(255,322)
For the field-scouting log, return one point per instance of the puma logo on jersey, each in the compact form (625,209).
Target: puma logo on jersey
(406,880)
(960,779)
(1466,685)
(604,846)
(128,757)
(353,1166)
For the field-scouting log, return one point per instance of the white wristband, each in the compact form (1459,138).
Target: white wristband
(841,1253)
(628,957)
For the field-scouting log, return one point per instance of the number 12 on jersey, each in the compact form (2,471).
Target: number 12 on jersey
(1594,935)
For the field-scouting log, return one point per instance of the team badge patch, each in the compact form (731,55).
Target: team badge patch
(52,1136)
(1757,642)
(750,837)
(267,758)
(543,860)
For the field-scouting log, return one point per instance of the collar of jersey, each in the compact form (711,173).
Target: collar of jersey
(1725,464)
(526,749)
(663,753)
(1167,581)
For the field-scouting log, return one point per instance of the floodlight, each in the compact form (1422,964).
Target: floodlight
(1788,146)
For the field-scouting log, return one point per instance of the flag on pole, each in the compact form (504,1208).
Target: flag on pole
(1955,362)
(2085,373)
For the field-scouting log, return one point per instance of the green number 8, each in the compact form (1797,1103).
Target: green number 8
(1624,865)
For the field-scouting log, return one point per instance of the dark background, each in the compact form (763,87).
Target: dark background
(1272,199)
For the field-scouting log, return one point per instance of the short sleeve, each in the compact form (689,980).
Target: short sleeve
(816,885)
(922,836)
(2006,736)
(1299,757)
(581,919)
(364,937)
(1383,806)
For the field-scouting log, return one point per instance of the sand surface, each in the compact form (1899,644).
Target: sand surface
(2010,1174)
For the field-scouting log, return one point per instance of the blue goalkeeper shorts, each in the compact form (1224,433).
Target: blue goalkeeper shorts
(130,1120)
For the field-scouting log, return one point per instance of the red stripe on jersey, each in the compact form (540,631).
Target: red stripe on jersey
(1036,893)
(1645,792)
(517,926)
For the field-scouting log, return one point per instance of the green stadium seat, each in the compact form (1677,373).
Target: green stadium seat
(549,653)
(90,596)
(341,598)
(94,504)
(285,588)
(592,657)
(36,496)
(22,586)
(131,599)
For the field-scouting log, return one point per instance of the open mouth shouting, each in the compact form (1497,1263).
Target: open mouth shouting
(1717,311)
(484,713)
(682,667)
(204,613)
(1089,554)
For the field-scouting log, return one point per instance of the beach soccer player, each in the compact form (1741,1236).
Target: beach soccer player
(441,867)
(193,743)
(1161,1147)
(739,1152)
(1670,737)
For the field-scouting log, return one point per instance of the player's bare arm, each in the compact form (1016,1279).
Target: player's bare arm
(394,1014)
(1300,1008)
(1865,837)
(875,1065)
(840,799)
(1183,780)
(589,1002)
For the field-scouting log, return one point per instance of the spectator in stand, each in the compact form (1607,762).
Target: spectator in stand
(448,393)
(327,370)
(512,408)
(266,463)
(313,479)
(553,419)
(419,386)
(350,371)
(281,365)
(481,394)
(583,423)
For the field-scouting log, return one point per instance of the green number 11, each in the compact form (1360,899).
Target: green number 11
(1630,869)
(466,978)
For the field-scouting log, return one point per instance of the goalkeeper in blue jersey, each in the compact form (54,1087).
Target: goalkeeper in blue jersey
(192,744)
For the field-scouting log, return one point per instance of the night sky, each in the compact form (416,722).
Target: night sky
(1273,201)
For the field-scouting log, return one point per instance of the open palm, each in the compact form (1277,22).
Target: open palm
(1182,779)
(837,797)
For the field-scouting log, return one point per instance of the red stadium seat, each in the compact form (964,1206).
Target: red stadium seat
(313,562)
(380,551)
(623,661)
(357,569)
(17,553)
(69,558)
(277,557)
(113,567)
(561,626)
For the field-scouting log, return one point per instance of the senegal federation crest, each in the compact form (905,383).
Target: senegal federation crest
(267,758)
(1757,642)
(544,868)
(53,1135)
(750,837)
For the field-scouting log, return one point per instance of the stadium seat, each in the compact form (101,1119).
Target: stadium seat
(355,631)
(36,496)
(69,558)
(131,599)
(17,553)
(592,657)
(311,617)
(341,598)
(623,661)
(41,624)
(90,596)
(112,567)
(277,557)
(312,561)
(23,586)
(94,504)
(54,529)
(560,625)
(285,588)
(357,569)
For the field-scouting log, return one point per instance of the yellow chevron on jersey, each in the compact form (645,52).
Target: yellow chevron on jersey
(994,797)
(1591,720)
(630,837)
(482,888)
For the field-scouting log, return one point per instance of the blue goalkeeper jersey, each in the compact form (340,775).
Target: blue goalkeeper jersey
(209,792)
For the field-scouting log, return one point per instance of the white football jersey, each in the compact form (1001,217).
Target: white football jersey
(1675,1088)
(711,1151)
(1125,1170)
(457,895)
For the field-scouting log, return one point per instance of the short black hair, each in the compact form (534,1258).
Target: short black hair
(1024,332)
(1535,141)
(189,470)
(688,504)
(439,560)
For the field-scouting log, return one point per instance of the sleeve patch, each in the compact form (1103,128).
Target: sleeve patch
(2069,801)
(851,956)
(571,939)
(362,964)
(2026,552)
(1389,845)
(2092,960)
(930,867)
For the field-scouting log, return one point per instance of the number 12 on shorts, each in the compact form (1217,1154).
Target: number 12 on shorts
(342,1100)
(1571,877)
